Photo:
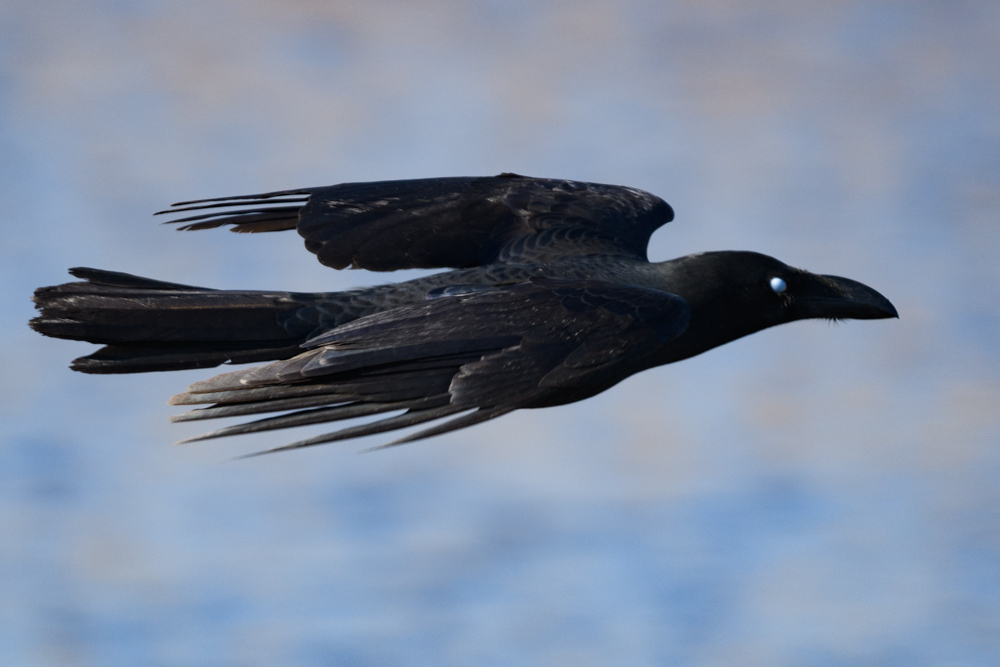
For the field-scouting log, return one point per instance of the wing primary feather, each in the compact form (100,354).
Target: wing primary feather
(236,218)
(263,195)
(410,418)
(257,407)
(225,215)
(179,208)
(252,394)
(477,417)
(318,416)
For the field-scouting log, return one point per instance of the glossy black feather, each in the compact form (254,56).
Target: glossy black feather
(453,222)
(150,325)
(498,350)
(552,300)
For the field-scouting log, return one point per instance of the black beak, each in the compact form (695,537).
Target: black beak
(841,298)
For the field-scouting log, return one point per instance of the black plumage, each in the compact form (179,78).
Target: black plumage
(551,300)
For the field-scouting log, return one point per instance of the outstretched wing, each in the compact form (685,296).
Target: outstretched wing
(447,222)
(530,345)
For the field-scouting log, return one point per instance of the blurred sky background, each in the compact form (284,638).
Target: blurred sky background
(816,494)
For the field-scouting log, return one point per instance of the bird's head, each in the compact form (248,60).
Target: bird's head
(734,293)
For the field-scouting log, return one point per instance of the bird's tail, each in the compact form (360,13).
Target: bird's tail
(149,325)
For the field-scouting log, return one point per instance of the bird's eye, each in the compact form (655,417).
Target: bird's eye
(778,285)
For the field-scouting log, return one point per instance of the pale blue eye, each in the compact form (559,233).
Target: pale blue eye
(778,285)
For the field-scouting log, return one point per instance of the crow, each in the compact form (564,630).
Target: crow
(550,299)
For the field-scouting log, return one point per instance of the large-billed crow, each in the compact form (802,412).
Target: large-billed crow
(551,300)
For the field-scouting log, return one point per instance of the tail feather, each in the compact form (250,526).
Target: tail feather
(155,357)
(150,325)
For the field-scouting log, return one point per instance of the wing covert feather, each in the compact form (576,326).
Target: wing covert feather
(534,344)
(457,222)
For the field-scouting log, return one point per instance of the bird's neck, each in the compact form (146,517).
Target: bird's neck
(717,315)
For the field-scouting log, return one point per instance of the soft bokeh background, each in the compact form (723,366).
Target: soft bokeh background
(816,494)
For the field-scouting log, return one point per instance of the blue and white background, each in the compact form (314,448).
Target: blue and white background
(816,494)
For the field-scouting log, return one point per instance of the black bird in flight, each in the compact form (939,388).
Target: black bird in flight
(550,300)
